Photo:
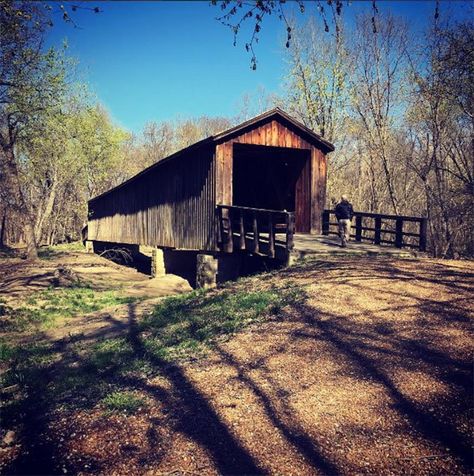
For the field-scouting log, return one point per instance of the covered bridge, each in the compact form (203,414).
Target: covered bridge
(247,189)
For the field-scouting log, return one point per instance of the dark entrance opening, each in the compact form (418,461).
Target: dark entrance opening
(274,178)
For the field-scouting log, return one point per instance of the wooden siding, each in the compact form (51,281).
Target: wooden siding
(172,205)
(310,189)
(318,188)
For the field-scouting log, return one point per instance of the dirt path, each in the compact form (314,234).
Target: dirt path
(372,374)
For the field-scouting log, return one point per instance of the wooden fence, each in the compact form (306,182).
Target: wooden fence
(383,227)
(255,230)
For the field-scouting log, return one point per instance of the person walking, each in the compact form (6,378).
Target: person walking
(344,213)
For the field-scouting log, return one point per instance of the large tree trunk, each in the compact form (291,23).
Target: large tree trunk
(13,181)
(44,215)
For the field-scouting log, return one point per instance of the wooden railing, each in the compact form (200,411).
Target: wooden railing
(254,229)
(384,226)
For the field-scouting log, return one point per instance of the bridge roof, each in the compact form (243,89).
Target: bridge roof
(282,116)
(268,116)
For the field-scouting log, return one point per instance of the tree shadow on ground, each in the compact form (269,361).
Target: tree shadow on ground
(374,349)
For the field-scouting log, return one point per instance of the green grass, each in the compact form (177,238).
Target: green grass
(184,324)
(43,309)
(48,252)
(102,374)
(123,402)
(24,363)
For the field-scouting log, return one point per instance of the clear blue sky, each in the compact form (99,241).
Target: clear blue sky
(161,60)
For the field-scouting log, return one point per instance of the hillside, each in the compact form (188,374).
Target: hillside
(341,366)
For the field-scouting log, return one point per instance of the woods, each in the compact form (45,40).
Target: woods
(398,107)
(400,114)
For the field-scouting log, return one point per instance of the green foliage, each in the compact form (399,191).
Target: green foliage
(123,402)
(44,308)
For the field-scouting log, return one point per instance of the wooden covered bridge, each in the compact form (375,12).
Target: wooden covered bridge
(253,189)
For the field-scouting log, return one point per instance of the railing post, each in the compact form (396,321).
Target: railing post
(255,233)
(290,230)
(271,237)
(219,225)
(325,220)
(241,230)
(378,230)
(399,232)
(227,235)
(358,233)
(423,233)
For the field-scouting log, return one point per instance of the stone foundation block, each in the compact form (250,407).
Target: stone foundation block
(206,271)
(157,263)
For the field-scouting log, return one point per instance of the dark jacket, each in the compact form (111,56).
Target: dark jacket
(344,211)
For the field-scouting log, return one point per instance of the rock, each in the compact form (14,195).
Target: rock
(64,277)
(9,438)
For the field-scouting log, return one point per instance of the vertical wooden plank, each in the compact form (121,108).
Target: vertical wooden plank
(325,223)
(255,247)
(281,135)
(290,231)
(423,234)
(274,139)
(399,232)
(378,229)
(316,208)
(268,133)
(241,230)
(358,231)
(220,178)
(271,236)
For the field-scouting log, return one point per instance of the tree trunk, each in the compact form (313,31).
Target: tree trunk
(44,215)
(2,230)
(13,181)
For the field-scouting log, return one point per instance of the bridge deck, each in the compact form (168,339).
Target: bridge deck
(319,245)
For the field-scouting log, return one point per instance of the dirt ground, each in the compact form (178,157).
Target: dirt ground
(372,374)
(19,278)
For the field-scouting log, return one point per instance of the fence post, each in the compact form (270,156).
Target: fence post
(228,235)
(358,234)
(399,233)
(255,233)
(325,220)
(271,237)
(378,230)
(423,233)
(290,230)
(241,230)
